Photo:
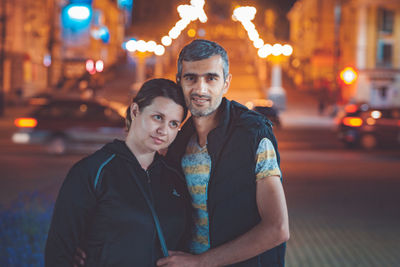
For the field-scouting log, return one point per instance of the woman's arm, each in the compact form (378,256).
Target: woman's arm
(72,210)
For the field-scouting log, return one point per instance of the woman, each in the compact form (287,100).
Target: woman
(101,208)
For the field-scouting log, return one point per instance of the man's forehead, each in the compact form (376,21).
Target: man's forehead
(212,64)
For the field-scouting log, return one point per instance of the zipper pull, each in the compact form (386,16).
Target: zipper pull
(148,176)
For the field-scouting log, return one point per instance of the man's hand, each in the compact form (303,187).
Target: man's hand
(181,259)
(79,258)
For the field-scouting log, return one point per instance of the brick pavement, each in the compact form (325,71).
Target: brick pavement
(321,241)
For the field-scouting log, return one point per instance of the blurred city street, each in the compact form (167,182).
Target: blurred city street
(343,204)
(342,199)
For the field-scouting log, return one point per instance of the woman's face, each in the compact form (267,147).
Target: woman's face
(156,125)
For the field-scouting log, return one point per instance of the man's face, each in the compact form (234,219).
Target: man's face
(203,85)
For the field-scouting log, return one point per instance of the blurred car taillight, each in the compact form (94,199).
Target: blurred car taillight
(352,121)
(25,122)
(351,108)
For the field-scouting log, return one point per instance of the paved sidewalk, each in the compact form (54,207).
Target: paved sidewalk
(302,110)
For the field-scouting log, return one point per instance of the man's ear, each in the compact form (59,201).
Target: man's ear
(227,83)
(134,110)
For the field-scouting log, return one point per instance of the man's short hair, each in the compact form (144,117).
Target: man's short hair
(200,49)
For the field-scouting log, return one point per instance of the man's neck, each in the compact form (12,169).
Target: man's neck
(204,125)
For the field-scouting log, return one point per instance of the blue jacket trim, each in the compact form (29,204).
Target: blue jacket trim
(101,168)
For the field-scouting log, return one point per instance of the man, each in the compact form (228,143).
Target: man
(229,158)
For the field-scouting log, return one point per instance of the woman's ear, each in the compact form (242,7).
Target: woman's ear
(134,110)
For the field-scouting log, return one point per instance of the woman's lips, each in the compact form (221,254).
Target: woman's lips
(157,140)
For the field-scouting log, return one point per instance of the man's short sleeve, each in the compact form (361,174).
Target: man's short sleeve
(266,161)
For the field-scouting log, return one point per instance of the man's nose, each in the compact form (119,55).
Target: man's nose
(201,86)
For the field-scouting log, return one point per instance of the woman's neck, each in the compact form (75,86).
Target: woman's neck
(145,158)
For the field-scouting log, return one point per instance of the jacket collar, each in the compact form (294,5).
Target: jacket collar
(120,148)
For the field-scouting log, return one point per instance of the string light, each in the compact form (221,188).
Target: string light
(245,15)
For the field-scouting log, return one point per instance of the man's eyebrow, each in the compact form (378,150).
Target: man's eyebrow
(203,75)
(212,74)
(189,74)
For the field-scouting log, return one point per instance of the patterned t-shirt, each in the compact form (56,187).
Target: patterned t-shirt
(196,164)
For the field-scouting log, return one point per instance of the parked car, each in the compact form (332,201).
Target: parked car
(64,125)
(266,107)
(40,99)
(362,125)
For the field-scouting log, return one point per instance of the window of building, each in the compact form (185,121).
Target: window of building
(385,54)
(386,20)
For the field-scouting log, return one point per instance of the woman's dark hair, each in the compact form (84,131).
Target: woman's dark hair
(154,88)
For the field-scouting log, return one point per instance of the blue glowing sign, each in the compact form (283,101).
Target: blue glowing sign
(125,4)
(76,17)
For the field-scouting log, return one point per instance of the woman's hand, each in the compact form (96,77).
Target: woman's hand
(181,259)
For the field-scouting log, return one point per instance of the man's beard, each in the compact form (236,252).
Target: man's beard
(207,112)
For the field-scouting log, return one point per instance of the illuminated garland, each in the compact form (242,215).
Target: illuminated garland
(195,11)
(245,15)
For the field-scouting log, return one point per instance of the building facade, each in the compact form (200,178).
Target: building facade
(38,53)
(329,35)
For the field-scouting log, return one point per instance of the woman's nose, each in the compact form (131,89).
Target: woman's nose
(162,129)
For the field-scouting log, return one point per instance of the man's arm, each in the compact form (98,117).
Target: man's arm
(271,231)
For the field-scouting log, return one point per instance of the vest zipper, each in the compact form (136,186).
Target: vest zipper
(208,198)
(214,161)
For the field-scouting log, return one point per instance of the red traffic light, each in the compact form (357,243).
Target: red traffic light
(99,65)
(93,67)
(90,67)
(348,75)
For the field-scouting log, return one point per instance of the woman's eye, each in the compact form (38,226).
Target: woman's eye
(157,117)
(174,124)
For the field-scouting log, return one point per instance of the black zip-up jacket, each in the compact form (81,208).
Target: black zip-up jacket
(231,194)
(101,210)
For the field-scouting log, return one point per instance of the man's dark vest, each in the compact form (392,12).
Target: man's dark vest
(231,202)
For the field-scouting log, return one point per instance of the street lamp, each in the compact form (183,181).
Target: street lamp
(348,75)
(276,52)
(142,50)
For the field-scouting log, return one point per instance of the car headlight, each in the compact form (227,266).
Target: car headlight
(21,138)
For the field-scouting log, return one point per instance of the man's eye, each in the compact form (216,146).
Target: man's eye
(212,78)
(189,78)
